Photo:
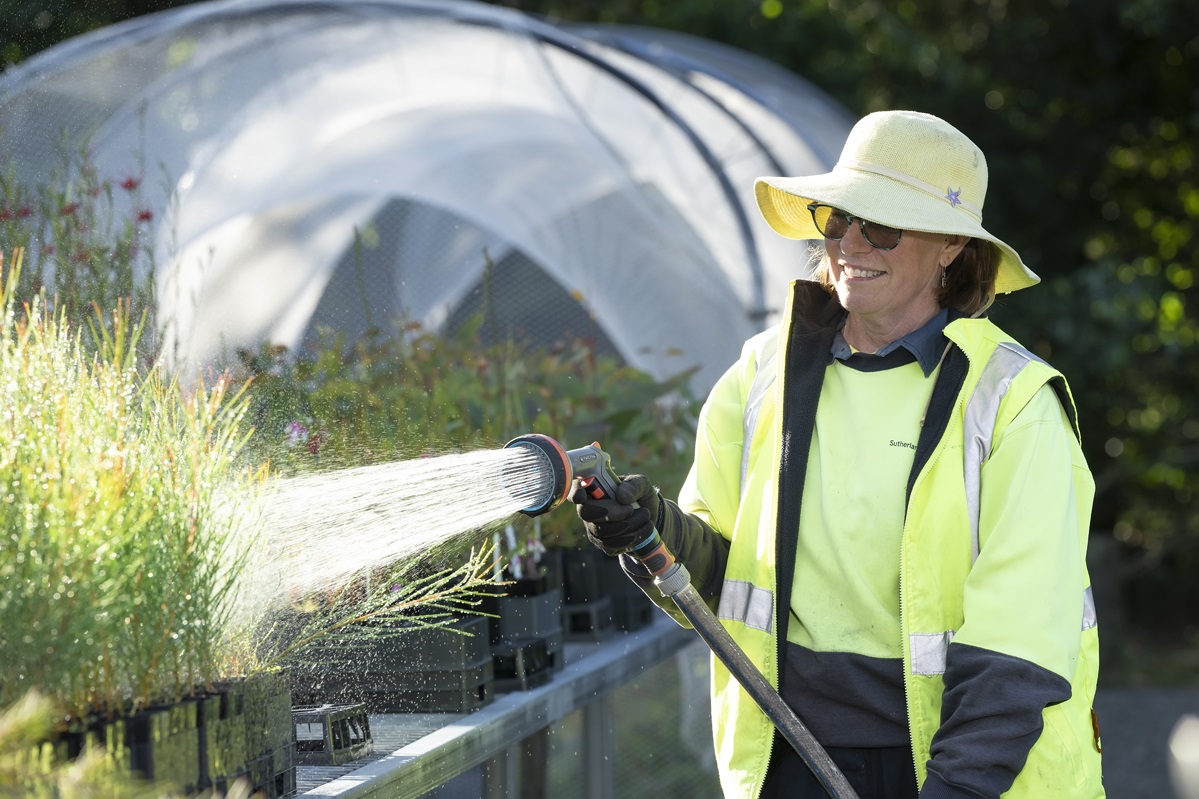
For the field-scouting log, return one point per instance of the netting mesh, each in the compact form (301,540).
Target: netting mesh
(344,165)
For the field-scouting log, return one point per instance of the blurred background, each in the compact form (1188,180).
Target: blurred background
(1087,110)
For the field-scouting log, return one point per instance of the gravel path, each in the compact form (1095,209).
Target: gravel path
(1135,724)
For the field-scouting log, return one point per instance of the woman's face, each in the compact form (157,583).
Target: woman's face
(890,290)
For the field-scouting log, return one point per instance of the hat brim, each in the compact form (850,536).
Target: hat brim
(784,201)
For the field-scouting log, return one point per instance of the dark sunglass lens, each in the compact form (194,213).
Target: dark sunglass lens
(833,223)
(881,236)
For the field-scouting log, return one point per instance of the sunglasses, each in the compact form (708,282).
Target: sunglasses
(833,223)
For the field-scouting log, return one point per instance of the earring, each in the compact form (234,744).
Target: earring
(944,279)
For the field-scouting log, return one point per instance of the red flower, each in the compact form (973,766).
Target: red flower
(130,183)
(5,214)
(316,440)
(24,212)
(145,215)
(68,210)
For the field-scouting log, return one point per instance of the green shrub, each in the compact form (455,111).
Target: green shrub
(414,393)
(121,552)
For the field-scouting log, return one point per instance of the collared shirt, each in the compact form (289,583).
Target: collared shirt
(924,345)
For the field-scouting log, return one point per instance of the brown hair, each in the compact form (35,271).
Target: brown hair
(969,280)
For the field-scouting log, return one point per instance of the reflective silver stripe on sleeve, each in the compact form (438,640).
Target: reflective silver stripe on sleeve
(1005,363)
(747,603)
(929,652)
(1089,618)
(763,380)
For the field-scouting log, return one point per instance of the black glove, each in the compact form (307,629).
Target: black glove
(612,523)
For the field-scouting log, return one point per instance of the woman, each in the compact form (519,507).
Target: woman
(888,507)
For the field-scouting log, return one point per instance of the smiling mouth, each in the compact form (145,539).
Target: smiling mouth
(859,274)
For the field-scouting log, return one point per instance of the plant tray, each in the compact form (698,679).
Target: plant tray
(164,744)
(582,571)
(588,621)
(456,691)
(330,735)
(197,744)
(222,723)
(270,735)
(423,670)
(524,663)
(273,774)
(528,616)
(632,612)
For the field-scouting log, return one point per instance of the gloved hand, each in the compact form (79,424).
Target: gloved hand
(612,523)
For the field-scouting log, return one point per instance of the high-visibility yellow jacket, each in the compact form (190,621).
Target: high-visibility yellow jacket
(968,581)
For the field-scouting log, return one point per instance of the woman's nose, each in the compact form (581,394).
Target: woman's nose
(853,240)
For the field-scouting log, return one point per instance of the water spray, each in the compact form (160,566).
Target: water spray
(555,474)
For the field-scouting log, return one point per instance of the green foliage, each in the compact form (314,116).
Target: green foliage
(121,548)
(383,603)
(412,393)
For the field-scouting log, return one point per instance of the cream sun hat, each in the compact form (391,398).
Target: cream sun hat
(904,169)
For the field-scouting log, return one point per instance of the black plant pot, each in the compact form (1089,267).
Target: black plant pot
(586,606)
(270,734)
(400,669)
(598,598)
(241,729)
(222,722)
(526,630)
(164,744)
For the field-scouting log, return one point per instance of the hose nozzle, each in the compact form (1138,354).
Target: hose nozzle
(557,469)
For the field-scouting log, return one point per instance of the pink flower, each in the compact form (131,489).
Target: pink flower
(130,183)
(6,215)
(145,215)
(24,212)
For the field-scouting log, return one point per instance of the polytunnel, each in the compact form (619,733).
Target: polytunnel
(355,163)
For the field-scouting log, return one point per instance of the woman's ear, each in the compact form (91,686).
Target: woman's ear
(953,246)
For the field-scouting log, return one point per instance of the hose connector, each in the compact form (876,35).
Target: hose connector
(653,554)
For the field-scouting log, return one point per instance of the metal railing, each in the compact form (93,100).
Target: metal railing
(624,714)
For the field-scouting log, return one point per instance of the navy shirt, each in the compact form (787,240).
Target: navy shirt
(925,345)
